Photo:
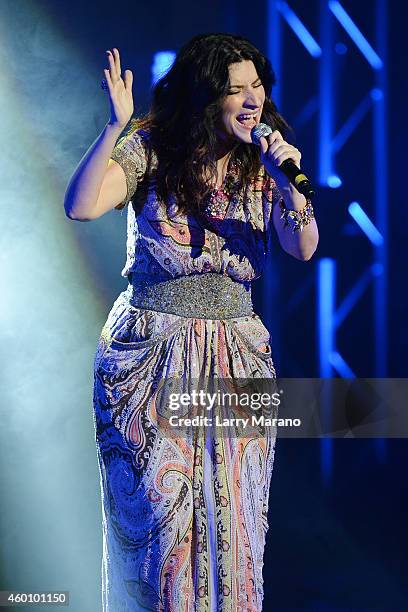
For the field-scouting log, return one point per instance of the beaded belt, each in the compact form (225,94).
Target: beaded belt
(208,296)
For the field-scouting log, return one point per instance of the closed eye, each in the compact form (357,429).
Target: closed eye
(231,93)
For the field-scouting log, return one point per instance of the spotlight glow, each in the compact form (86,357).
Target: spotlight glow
(334,181)
(162,62)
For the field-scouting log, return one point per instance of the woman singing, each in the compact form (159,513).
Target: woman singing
(185,518)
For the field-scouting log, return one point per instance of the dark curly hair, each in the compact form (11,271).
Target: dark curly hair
(185,108)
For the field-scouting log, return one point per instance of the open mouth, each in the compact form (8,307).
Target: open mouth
(247,121)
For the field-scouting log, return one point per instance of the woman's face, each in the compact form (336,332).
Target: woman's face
(242,107)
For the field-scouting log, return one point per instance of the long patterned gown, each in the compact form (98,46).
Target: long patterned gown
(184,520)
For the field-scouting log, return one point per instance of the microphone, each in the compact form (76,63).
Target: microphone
(288,167)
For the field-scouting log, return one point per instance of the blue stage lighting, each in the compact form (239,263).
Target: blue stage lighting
(365,223)
(377,269)
(326,282)
(334,181)
(162,62)
(341,366)
(355,34)
(376,94)
(341,48)
(300,30)
(352,122)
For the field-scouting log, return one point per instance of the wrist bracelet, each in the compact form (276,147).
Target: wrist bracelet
(297,219)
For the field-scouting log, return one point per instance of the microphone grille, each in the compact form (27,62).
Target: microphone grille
(260,130)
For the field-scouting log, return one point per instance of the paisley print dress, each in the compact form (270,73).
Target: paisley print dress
(184,520)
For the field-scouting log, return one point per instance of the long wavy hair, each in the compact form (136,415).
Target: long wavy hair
(185,109)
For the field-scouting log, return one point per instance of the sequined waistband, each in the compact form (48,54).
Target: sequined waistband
(208,296)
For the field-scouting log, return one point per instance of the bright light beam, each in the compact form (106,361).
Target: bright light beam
(162,62)
(300,30)
(365,223)
(341,366)
(355,34)
(326,282)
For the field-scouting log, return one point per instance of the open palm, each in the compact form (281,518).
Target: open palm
(120,91)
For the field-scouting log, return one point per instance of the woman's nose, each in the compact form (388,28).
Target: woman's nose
(253,99)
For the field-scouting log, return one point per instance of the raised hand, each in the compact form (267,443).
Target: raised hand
(120,91)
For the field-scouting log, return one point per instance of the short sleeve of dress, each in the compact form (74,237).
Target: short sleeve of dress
(130,152)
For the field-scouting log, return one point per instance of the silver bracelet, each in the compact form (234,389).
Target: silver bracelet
(297,219)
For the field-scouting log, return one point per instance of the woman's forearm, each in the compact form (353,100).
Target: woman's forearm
(84,186)
(299,244)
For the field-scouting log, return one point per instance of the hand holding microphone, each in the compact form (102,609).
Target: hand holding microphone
(279,157)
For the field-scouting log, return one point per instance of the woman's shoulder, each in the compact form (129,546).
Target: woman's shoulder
(141,133)
(137,142)
(135,135)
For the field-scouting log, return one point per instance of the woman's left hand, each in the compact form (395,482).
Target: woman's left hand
(274,151)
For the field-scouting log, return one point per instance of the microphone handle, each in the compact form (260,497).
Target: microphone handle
(288,167)
(297,178)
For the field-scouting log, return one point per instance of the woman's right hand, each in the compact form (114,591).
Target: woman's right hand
(120,92)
